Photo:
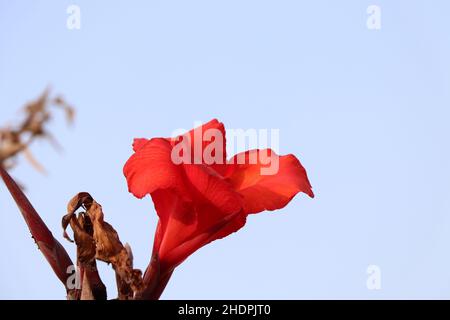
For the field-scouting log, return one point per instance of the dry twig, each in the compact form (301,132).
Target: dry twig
(17,139)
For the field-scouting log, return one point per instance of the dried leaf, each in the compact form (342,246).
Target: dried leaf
(97,239)
(124,289)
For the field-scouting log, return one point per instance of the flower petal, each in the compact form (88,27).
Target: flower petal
(209,187)
(139,143)
(177,220)
(262,189)
(207,145)
(211,201)
(221,229)
(151,168)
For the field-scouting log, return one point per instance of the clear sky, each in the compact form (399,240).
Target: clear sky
(366,111)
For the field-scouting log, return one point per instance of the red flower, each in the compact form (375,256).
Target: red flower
(199,196)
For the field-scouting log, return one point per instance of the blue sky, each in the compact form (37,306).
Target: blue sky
(365,111)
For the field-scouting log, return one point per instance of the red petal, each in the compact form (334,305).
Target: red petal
(202,143)
(138,143)
(151,168)
(221,229)
(267,192)
(185,228)
(211,201)
(209,187)
(177,220)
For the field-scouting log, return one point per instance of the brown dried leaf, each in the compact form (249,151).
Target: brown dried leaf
(124,289)
(97,239)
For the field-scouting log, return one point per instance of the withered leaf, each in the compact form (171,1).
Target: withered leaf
(97,240)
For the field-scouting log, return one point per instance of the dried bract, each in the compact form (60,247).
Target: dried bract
(97,240)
